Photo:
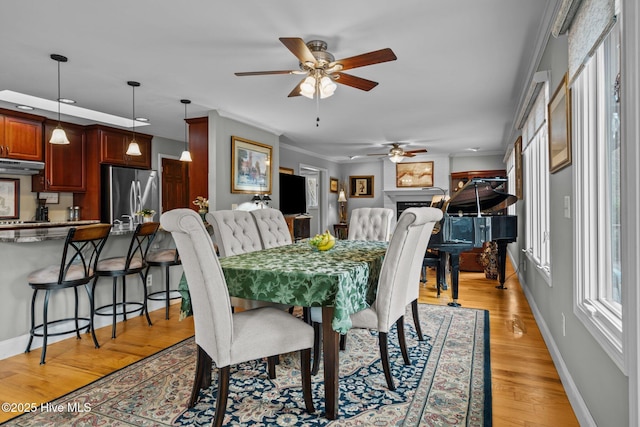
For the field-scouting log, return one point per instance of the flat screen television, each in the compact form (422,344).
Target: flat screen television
(293,194)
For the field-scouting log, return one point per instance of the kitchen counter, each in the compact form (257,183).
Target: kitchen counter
(38,232)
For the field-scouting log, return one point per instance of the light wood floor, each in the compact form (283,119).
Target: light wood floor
(526,389)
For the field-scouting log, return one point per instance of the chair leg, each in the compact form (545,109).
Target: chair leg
(45,311)
(91,308)
(317,335)
(145,308)
(416,319)
(113,305)
(272,361)
(305,371)
(402,340)
(384,355)
(166,292)
(343,342)
(33,320)
(223,392)
(203,375)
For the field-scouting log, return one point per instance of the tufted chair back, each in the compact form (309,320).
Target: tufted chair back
(372,224)
(272,227)
(234,231)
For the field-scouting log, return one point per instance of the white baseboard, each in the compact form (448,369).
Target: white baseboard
(573,394)
(17,345)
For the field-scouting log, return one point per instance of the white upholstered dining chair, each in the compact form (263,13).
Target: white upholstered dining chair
(372,224)
(272,227)
(224,337)
(235,233)
(400,270)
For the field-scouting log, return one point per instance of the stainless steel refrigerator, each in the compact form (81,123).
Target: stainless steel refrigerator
(126,191)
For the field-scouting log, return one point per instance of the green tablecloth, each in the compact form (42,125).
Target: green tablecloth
(344,277)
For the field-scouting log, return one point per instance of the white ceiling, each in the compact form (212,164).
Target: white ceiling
(461,70)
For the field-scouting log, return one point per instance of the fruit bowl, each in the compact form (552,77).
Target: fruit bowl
(323,242)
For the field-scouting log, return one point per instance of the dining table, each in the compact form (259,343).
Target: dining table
(342,281)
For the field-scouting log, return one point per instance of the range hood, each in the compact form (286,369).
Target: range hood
(20,167)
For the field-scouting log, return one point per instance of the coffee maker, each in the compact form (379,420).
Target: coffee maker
(42,211)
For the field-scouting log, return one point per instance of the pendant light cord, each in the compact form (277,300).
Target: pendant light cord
(58,93)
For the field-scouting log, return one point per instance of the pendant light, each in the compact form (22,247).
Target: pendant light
(186,155)
(134,148)
(59,136)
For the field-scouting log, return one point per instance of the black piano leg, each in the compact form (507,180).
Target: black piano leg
(455,273)
(502,262)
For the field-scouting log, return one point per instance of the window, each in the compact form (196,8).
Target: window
(536,183)
(596,133)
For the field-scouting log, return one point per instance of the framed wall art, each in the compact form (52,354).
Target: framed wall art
(9,198)
(250,166)
(361,186)
(517,153)
(417,174)
(560,127)
(333,184)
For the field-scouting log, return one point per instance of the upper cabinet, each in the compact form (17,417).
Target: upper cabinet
(64,164)
(20,136)
(114,144)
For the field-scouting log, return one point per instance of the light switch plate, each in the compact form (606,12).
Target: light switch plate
(567,206)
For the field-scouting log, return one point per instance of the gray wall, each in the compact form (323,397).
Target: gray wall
(593,375)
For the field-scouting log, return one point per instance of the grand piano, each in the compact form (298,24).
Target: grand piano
(474,215)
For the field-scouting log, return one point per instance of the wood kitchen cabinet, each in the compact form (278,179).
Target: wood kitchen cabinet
(470,260)
(21,136)
(105,145)
(64,164)
(114,144)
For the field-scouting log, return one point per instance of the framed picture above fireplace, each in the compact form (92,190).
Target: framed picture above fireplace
(417,174)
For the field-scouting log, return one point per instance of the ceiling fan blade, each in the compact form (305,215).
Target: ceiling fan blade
(262,73)
(376,57)
(299,48)
(408,154)
(422,150)
(353,81)
(379,154)
(295,91)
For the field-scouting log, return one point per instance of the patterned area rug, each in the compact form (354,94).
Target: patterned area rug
(447,384)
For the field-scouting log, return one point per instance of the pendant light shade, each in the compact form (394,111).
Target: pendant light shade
(134,148)
(58,136)
(186,155)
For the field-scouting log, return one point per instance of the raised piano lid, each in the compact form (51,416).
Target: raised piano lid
(486,193)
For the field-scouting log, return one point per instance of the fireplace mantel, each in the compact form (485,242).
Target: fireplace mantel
(415,193)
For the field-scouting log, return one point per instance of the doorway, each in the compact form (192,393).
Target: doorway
(174,184)
(317,196)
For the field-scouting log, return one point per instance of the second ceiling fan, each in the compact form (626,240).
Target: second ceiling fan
(396,154)
(322,71)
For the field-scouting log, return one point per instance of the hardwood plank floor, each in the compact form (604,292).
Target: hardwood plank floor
(526,389)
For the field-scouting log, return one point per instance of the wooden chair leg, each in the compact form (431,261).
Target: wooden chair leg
(223,392)
(203,375)
(402,340)
(416,319)
(272,361)
(317,335)
(343,342)
(305,362)
(384,355)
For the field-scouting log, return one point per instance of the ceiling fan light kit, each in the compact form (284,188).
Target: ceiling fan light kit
(396,154)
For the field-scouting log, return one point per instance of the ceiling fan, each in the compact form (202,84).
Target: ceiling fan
(322,70)
(397,153)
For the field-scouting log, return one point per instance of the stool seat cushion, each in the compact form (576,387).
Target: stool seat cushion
(163,255)
(51,273)
(118,264)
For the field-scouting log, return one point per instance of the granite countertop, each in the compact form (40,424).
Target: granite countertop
(28,233)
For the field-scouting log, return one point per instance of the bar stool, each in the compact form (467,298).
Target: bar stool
(133,263)
(81,251)
(165,258)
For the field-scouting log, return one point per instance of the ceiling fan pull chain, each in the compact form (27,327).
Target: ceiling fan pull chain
(317,109)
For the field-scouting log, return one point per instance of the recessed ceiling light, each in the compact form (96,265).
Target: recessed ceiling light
(24,107)
(66,101)
(473,149)
(142,119)
(17,98)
